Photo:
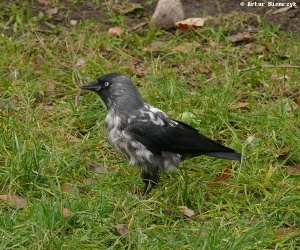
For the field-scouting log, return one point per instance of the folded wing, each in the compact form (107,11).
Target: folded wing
(177,137)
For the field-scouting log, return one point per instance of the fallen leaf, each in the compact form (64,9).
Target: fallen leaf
(281,10)
(115,31)
(45,2)
(102,47)
(95,168)
(65,212)
(68,188)
(238,105)
(241,37)
(14,200)
(298,101)
(282,153)
(50,88)
(253,48)
(187,212)
(79,63)
(284,231)
(190,23)
(137,26)
(293,169)
(224,176)
(122,229)
(51,11)
(212,43)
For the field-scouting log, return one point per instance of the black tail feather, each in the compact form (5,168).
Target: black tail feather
(224,155)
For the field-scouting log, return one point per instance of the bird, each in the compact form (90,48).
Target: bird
(145,135)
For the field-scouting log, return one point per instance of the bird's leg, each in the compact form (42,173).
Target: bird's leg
(150,180)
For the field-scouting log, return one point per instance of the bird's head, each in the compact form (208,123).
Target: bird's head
(117,91)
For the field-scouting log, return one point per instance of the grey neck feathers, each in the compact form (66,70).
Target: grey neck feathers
(126,105)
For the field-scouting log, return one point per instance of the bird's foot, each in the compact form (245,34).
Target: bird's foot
(150,180)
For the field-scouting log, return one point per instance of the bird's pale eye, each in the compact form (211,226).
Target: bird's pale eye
(106,84)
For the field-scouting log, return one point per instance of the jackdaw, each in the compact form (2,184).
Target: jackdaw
(146,135)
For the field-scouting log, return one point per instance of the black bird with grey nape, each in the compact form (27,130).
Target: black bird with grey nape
(146,135)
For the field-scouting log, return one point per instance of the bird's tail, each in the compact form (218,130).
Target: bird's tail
(226,155)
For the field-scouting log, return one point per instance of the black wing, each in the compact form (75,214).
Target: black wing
(177,137)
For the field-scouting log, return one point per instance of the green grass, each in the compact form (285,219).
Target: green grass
(46,141)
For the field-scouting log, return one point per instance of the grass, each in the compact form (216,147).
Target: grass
(47,141)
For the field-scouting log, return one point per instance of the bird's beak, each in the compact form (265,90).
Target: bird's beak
(94,85)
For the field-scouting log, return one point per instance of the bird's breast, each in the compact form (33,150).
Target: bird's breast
(136,153)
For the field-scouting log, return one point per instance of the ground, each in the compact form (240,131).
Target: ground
(64,186)
(82,10)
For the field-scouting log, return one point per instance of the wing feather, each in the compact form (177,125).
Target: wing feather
(176,137)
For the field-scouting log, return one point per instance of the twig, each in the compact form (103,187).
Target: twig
(48,51)
(77,98)
(203,37)
(79,82)
(256,67)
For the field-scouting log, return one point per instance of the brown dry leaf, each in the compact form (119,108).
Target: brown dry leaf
(298,101)
(241,37)
(212,43)
(115,31)
(187,212)
(65,212)
(190,23)
(253,48)
(137,26)
(51,11)
(284,231)
(224,176)
(50,88)
(96,168)
(122,229)
(282,153)
(281,10)
(238,105)
(68,188)
(13,200)
(293,169)
(45,2)
(102,47)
